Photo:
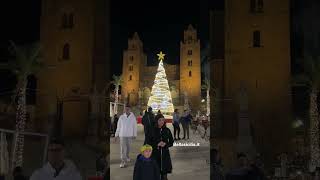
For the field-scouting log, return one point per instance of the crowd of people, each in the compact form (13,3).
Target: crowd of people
(155,154)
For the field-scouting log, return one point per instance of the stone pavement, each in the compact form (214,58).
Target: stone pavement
(189,163)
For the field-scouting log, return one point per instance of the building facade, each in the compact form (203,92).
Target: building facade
(184,78)
(251,50)
(75,37)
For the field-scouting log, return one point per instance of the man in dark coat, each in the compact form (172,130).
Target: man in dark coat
(148,121)
(162,141)
(159,115)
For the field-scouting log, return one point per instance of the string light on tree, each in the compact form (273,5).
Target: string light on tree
(160,98)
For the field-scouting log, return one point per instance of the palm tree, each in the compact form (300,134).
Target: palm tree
(117,81)
(206,85)
(311,78)
(25,63)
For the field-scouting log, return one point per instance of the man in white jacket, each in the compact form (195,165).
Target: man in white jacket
(127,131)
(57,167)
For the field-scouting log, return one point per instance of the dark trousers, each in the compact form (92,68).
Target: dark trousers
(185,127)
(176,129)
(164,177)
(147,137)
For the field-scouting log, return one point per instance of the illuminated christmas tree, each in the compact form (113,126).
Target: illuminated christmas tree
(160,98)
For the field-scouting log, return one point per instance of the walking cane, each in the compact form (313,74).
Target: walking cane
(160,155)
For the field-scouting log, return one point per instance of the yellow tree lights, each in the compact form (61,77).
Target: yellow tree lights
(160,98)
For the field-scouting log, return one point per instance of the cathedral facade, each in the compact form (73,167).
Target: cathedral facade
(184,79)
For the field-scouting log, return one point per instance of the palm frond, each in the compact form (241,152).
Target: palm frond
(26,59)
(117,80)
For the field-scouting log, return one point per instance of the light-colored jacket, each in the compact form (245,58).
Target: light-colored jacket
(127,126)
(47,172)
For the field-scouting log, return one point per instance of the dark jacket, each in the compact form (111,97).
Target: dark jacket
(146,169)
(188,118)
(165,135)
(148,122)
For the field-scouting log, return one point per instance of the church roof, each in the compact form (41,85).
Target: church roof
(136,36)
(190,27)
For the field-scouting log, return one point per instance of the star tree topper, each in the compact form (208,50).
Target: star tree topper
(161,56)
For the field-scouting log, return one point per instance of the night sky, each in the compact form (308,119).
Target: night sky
(160,25)
(20,21)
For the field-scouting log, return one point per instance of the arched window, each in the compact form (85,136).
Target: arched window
(260,5)
(189,52)
(66,52)
(64,20)
(190,73)
(256,6)
(256,39)
(130,77)
(71,20)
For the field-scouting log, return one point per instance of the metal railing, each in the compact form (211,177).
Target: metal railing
(16,134)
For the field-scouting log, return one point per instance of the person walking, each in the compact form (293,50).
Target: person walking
(148,122)
(162,141)
(176,124)
(57,167)
(127,131)
(146,168)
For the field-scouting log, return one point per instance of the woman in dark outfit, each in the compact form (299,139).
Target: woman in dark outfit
(162,141)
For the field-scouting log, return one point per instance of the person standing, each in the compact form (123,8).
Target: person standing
(162,141)
(158,116)
(176,124)
(148,124)
(127,131)
(57,167)
(186,120)
(115,123)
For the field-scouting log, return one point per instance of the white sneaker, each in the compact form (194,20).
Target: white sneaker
(128,160)
(122,164)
